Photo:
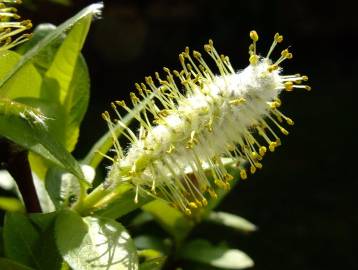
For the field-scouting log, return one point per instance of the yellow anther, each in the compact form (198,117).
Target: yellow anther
(305,78)
(231,147)
(171,149)
(193,205)
(105,116)
(288,86)
(272,68)
(289,55)
(262,150)
(254,36)
(228,177)
(196,54)
(256,156)
(290,121)
(121,103)
(243,174)
(284,53)
(237,101)
(149,80)
(181,58)
(204,201)
(187,211)
(253,59)
(308,88)
(207,48)
(198,203)
(284,131)
(227,186)
(134,98)
(220,183)
(212,193)
(272,146)
(258,165)
(278,38)
(252,169)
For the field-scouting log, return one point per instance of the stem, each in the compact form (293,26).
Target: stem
(100,197)
(15,160)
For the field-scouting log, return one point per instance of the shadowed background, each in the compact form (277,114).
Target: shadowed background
(303,201)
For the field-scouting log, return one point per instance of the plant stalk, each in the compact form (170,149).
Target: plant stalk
(15,160)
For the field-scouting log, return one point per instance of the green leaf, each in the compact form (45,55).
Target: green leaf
(11,204)
(67,83)
(63,66)
(20,239)
(63,187)
(47,254)
(7,264)
(25,83)
(45,56)
(91,243)
(25,126)
(154,264)
(34,51)
(76,102)
(218,256)
(232,221)
(170,219)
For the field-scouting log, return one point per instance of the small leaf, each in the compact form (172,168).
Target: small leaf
(233,221)
(7,264)
(94,243)
(20,239)
(154,264)
(218,256)
(63,187)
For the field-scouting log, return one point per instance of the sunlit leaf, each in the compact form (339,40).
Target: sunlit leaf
(218,256)
(232,221)
(25,83)
(94,243)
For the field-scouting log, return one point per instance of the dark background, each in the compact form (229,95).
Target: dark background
(303,200)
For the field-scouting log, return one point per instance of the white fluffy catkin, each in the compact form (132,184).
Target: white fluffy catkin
(231,115)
